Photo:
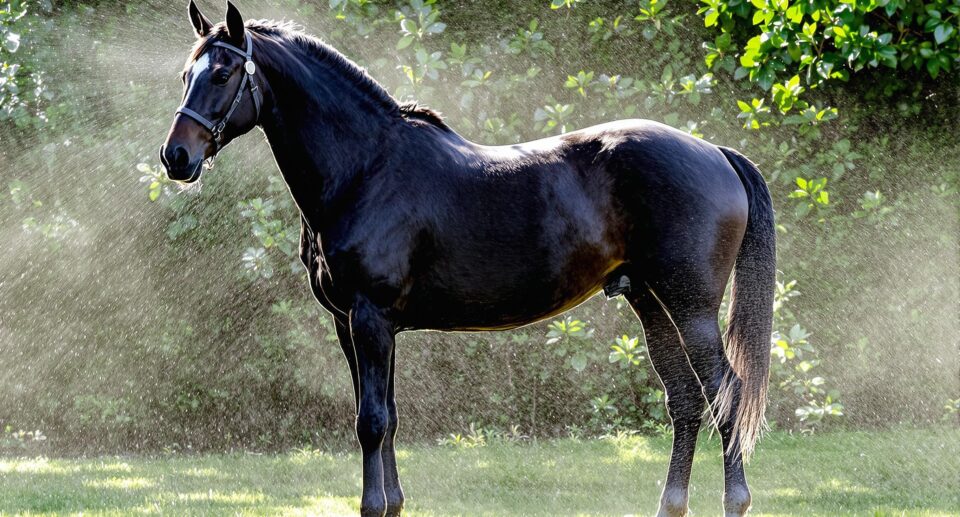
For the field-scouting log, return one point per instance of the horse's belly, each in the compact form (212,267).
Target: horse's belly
(498,305)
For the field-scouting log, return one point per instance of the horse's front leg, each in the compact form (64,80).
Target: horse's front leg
(346,344)
(391,477)
(373,341)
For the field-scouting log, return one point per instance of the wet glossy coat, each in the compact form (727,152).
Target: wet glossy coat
(407,225)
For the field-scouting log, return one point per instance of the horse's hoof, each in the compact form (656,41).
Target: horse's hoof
(372,511)
(394,510)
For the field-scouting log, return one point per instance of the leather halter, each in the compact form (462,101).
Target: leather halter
(249,69)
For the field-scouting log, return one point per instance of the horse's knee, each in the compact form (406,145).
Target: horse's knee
(372,425)
(736,500)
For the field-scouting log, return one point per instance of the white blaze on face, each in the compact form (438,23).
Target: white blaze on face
(200,66)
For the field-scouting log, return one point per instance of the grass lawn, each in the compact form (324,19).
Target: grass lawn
(849,473)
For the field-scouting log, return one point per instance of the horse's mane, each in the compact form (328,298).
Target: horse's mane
(413,110)
(290,32)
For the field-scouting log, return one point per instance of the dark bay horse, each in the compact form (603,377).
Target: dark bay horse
(407,225)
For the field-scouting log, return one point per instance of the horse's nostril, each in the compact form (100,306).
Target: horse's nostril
(180,157)
(174,157)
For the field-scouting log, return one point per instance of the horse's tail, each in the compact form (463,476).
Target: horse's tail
(750,319)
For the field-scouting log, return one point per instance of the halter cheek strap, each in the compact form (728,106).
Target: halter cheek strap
(249,69)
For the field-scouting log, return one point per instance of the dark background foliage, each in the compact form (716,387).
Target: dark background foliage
(136,316)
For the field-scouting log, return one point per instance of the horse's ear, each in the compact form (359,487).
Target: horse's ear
(234,24)
(201,25)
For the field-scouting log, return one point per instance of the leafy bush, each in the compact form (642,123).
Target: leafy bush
(142,315)
(821,41)
(23,89)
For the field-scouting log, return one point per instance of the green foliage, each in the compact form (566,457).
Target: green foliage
(275,238)
(23,89)
(810,195)
(656,18)
(828,41)
(20,441)
(569,4)
(205,334)
(951,410)
(528,40)
(793,368)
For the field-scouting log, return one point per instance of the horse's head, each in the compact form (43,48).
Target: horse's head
(221,95)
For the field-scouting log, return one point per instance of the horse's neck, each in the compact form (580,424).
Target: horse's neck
(324,133)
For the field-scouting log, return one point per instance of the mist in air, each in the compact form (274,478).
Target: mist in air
(138,317)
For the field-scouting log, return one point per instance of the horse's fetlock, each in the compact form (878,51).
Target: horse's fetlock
(373,511)
(395,509)
(736,500)
(673,503)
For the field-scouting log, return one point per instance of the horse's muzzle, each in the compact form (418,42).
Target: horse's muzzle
(178,164)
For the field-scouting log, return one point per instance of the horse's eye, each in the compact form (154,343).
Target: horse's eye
(221,78)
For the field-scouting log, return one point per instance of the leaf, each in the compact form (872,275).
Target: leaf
(405,42)
(12,42)
(795,13)
(408,26)
(711,18)
(578,362)
(942,33)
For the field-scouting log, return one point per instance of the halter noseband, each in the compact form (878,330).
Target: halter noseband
(249,69)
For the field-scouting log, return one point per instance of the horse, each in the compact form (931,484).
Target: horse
(406,225)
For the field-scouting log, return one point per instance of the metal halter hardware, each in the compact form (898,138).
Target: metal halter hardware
(249,69)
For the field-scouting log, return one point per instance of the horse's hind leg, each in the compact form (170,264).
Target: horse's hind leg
(684,398)
(697,339)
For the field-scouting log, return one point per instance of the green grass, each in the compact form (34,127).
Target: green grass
(876,474)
